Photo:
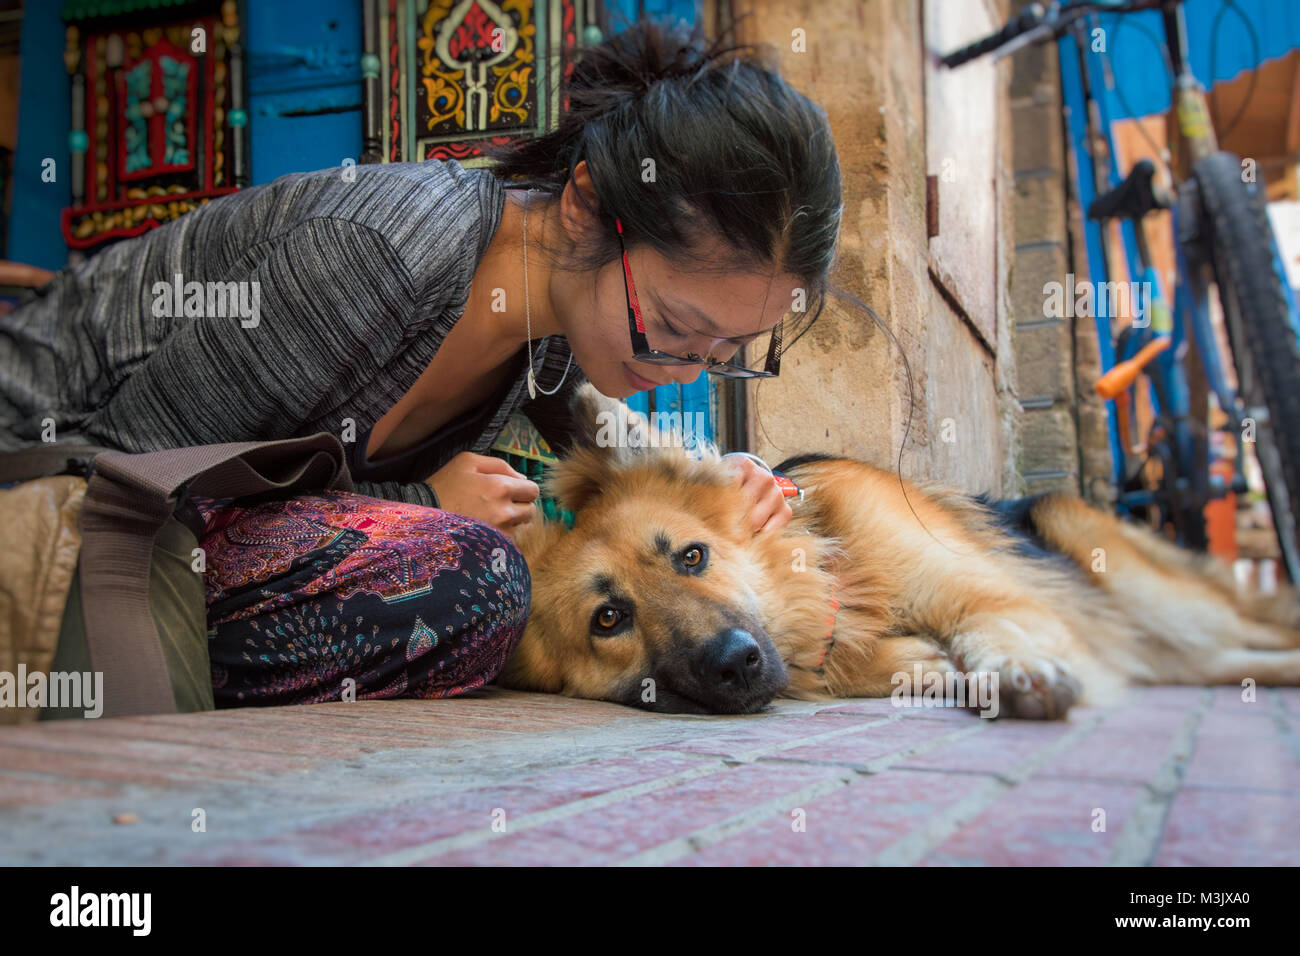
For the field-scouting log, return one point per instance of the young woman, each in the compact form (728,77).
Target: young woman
(411,308)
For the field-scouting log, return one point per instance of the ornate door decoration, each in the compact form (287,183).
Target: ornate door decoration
(158,119)
(444,75)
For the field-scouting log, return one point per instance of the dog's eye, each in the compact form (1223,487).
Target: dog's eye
(608,617)
(692,559)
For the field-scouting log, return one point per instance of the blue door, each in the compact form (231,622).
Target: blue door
(304,85)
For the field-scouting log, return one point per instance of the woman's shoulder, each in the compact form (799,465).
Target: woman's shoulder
(432,213)
(438,217)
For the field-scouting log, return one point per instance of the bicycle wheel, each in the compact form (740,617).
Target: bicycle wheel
(1266,350)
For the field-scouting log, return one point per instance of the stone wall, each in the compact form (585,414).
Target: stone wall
(1065,443)
(1044,344)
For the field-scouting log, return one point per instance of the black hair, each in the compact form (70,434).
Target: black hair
(739,156)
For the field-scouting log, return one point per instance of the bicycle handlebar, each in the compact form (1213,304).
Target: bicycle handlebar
(1030,17)
(1034,17)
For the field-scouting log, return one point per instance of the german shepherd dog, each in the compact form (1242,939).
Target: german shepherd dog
(660,597)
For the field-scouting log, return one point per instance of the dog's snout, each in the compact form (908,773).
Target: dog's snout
(731,661)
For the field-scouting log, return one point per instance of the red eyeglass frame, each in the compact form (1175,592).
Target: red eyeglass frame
(642,351)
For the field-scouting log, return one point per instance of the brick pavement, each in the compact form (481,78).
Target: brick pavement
(1173,776)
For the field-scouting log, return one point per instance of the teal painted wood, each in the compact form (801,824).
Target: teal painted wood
(536,471)
(304,85)
(44,118)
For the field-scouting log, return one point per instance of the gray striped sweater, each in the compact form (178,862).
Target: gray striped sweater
(357,284)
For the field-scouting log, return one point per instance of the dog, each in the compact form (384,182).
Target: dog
(660,597)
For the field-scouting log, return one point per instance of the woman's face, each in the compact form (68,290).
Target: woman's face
(683,312)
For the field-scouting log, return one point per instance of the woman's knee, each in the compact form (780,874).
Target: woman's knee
(498,562)
(480,618)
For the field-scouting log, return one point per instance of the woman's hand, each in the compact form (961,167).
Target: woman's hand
(486,488)
(767,508)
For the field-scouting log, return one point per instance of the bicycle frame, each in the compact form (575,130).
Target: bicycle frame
(1190,320)
(1179,388)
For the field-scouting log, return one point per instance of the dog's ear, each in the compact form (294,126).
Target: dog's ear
(580,476)
(536,537)
(606,437)
(598,421)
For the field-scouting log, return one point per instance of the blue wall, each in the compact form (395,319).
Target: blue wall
(304,79)
(44,115)
(1138,65)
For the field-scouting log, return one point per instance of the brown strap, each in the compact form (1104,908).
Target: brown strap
(128,499)
(39,461)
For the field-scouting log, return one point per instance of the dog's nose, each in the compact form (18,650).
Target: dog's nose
(731,661)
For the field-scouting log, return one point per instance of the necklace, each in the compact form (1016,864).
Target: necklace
(528,320)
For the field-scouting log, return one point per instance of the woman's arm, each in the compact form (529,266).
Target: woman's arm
(412,492)
(22,274)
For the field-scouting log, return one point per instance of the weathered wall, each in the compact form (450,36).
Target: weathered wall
(1065,443)
(1044,344)
(843,388)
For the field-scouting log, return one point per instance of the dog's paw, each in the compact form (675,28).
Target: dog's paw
(1034,688)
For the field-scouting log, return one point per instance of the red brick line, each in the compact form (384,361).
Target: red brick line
(917,844)
(781,806)
(426,852)
(1239,796)
(1141,833)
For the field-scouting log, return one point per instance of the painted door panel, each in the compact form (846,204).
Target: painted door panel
(304,84)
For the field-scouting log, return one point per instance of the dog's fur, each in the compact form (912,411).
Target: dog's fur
(1064,603)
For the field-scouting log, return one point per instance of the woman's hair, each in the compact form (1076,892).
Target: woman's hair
(738,156)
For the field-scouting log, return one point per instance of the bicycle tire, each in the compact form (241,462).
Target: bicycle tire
(1264,344)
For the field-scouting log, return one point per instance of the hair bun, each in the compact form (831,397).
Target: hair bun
(628,64)
(744,166)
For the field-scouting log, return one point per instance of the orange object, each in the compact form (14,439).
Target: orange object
(1123,412)
(1221,516)
(830,639)
(1121,377)
(788,487)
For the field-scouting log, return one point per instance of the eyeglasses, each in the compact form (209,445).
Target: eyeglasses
(642,351)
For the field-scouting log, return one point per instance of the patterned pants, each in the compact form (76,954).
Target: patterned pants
(309,592)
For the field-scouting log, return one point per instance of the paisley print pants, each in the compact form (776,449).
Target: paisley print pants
(311,597)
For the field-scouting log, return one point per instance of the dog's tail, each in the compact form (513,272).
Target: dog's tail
(794,462)
(1185,600)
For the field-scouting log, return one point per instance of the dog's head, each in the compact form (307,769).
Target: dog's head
(655,598)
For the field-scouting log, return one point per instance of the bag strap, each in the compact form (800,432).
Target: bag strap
(38,461)
(128,499)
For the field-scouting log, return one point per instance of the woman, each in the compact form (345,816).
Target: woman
(405,308)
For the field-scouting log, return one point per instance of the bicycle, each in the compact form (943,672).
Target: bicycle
(1222,240)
